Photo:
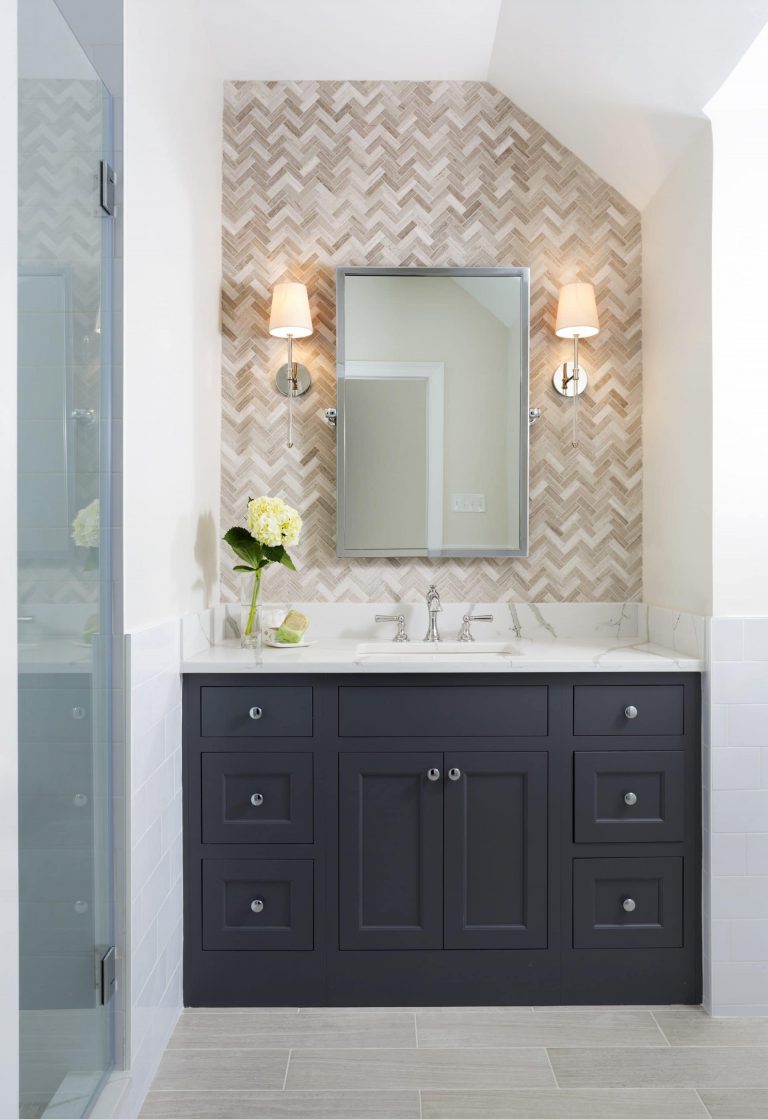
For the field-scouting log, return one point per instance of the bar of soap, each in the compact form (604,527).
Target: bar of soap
(293,628)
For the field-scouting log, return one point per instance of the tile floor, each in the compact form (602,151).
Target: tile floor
(463,1063)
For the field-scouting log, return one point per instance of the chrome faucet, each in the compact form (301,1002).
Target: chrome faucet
(434,607)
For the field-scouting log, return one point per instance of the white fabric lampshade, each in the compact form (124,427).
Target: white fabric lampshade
(577,312)
(290,317)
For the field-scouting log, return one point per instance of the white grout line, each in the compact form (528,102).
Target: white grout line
(549,1062)
(659,1027)
(287,1066)
(701,1101)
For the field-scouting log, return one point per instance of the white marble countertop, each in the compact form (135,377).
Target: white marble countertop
(341,655)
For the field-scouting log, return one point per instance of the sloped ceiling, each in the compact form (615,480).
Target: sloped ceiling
(622,83)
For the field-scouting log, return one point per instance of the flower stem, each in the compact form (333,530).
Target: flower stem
(254,603)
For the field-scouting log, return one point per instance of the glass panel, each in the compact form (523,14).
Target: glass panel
(65,252)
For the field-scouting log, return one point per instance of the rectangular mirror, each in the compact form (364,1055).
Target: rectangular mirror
(432,397)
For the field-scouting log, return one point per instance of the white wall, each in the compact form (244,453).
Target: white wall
(739,114)
(172,402)
(677,386)
(9,885)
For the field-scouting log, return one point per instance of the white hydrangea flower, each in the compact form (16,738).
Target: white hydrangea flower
(272,522)
(85,527)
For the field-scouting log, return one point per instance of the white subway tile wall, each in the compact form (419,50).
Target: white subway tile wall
(738,816)
(155,874)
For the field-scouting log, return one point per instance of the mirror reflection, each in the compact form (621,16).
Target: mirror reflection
(433,404)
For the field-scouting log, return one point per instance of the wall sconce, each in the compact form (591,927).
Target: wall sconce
(290,318)
(576,318)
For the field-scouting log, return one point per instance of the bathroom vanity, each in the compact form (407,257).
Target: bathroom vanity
(441,838)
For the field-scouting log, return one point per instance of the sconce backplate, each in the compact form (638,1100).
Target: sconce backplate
(283,380)
(566,370)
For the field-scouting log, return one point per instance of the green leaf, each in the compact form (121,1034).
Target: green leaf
(242,567)
(244,546)
(278,554)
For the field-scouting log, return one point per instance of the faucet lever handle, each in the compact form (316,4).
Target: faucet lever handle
(401,634)
(465,633)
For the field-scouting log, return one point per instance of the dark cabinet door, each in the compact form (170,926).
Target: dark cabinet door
(390,851)
(496,850)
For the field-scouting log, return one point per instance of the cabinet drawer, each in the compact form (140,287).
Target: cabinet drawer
(608,709)
(629,796)
(256,798)
(258,905)
(443,711)
(255,712)
(628,903)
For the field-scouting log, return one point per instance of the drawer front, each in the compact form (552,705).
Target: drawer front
(256,798)
(443,711)
(255,712)
(628,903)
(628,709)
(258,905)
(629,796)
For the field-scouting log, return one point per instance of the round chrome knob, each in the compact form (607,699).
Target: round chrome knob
(257,905)
(257,799)
(79,800)
(78,712)
(433,774)
(629,905)
(630,712)
(256,712)
(630,799)
(454,774)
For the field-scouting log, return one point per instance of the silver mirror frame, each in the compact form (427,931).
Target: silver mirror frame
(523,274)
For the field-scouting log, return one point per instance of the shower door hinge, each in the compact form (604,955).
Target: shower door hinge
(108,975)
(106,188)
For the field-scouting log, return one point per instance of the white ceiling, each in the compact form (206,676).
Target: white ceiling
(621,82)
(355,39)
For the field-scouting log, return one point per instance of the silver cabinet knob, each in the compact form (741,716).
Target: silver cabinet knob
(630,799)
(454,774)
(628,905)
(78,712)
(630,712)
(256,712)
(257,799)
(257,905)
(433,774)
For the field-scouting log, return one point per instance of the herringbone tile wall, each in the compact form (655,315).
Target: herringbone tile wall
(320,174)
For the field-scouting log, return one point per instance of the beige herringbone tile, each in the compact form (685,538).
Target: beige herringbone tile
(322,174)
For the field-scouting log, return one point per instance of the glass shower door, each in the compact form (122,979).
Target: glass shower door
(65,620)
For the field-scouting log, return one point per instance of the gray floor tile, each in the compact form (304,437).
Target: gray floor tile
(663,1068)
(588,1028)
(542,1103)
(214,1070)
(282,1105)
(385,1069)
(503,1011)
(698,1028)
(333,1029)
(618,1009)
(735,1104)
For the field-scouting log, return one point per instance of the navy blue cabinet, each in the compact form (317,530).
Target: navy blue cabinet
(400,840)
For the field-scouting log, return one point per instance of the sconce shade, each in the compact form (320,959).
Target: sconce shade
(577,312)
(290,317)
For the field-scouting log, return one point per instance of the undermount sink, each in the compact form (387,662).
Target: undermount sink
(412,652)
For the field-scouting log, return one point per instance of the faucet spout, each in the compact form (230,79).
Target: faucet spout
(434,607)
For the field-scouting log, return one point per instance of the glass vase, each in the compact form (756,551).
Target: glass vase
(250,620)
